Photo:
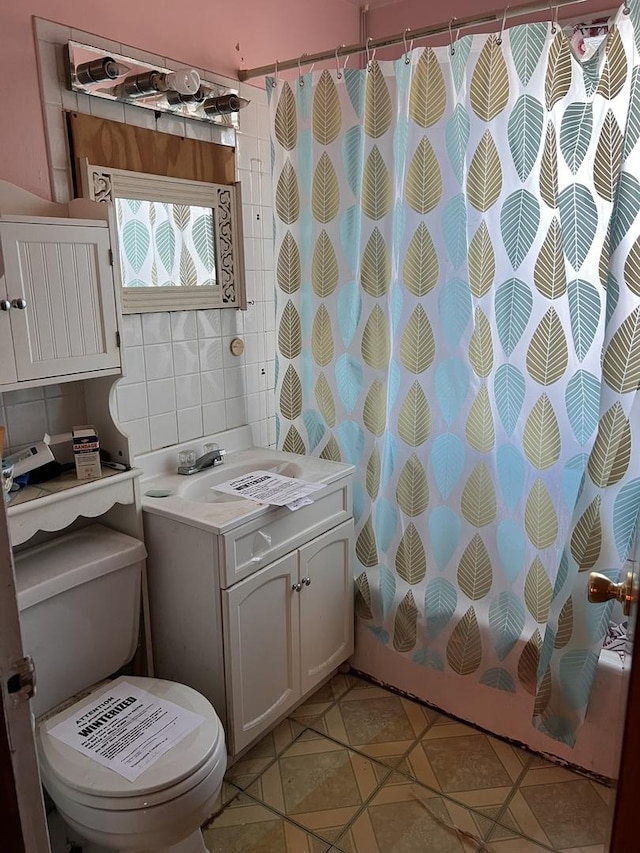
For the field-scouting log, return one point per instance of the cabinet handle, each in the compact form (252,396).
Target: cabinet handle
(20,304)
(5,305)
(306,581)
(296,587)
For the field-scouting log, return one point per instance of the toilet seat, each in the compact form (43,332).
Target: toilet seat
(77,777)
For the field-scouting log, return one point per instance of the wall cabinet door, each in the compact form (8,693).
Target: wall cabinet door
(64,277)
(7,360)
(326,604)
(262,658)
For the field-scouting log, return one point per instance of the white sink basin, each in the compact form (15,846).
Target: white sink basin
(192,498)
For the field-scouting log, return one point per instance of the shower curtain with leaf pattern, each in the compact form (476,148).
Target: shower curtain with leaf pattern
(458,315)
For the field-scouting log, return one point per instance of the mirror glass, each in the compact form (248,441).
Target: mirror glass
(179,243)
(165,245)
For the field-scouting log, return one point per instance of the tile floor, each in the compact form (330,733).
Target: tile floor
(359,769)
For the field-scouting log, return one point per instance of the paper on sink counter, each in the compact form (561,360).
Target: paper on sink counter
(268,488)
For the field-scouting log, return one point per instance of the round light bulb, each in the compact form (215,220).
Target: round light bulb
(184,80)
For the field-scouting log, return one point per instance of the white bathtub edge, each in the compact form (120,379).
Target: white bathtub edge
(599,741)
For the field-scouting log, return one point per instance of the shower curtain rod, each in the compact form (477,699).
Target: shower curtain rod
(386,41)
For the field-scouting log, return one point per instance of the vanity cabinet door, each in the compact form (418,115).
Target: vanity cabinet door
(59,280)
(326,604)
(262,658)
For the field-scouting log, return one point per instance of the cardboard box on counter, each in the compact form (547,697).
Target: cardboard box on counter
(86,451)
(30,458)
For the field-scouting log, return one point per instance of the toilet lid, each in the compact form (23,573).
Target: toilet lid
(81,773)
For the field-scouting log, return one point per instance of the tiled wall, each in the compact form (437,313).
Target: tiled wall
(182,380)
(28,414)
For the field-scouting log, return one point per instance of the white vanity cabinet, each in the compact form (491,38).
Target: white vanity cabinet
(286,627)
(251,605)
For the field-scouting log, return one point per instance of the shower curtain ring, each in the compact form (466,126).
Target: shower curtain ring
(300,80)
(504,21)
(338,72)
(554,18)
(370,57)
(274,79)
(452,42)
(346,59)
(407,60)
(625,9)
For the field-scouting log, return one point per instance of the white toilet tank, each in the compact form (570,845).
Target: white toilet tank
(79,603)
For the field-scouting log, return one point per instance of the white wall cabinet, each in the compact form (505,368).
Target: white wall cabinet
(57,296)
(286,628)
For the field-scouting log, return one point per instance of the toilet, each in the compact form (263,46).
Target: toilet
(79,602)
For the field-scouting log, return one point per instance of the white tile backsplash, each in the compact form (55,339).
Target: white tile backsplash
(132,401)
(190,423)
(158,361)
(188,391)
(26,422)
(138,432)
(132,330)
(212,386)
(236,412)
(209,324)
(161,394)
(234,382)
(28,414)
(163,430)
(63,413)
(186,357)
(211,354)
(24,395)
(156,328)
(181,379)
(134,369)
(214,418)
(184,326)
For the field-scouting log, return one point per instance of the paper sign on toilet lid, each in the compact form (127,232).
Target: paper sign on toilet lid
(126,729)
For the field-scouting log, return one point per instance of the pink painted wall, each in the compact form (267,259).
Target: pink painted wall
(198,32)
(395,17)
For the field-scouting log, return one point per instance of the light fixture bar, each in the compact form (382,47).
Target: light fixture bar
(181,91)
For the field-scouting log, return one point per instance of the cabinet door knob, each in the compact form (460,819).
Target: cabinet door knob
(296,587)
(20,304)
(5,305)
(306,581)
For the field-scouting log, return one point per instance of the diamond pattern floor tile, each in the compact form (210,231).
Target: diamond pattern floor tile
(376,722)
(320,702)
(516,845)
(408,818)
(560,808)
(249,827)
(319,784)
(249,766)
(343,774)
(467,765)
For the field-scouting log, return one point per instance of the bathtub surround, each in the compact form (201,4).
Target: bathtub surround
(446,288)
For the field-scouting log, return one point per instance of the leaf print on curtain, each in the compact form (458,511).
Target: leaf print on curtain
(458,315)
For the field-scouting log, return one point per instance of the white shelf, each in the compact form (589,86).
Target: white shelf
(55,509)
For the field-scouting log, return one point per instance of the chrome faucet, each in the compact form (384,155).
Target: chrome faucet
(207,460)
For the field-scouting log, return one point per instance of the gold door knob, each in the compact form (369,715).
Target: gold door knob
(602,589)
